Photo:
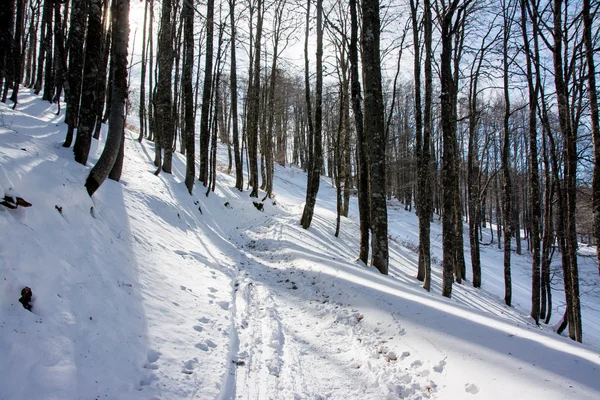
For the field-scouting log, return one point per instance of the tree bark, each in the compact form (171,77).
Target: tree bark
(89,94)
(79,13)
(206,94)
(362,148)
(314,172)
(588,27)
(120,42)
(375,130)
(189,122)
(164,99)
(239,173)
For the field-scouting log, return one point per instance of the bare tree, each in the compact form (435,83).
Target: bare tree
(114,139)
(315,151)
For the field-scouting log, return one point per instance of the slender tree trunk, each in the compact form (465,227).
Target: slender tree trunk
(45,44)
(206,94)
(144,61)
(239,173)
(253,105)
(535,196)
(314,172)
(102,71)
(362,148)
(49,68)
(507,206)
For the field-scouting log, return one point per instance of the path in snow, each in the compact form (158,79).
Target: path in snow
(300,338)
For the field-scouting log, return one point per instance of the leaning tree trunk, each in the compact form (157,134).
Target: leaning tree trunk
(116,122)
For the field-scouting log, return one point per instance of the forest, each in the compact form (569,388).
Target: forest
(477,112)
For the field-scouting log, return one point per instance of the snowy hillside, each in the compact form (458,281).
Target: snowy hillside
(146,292)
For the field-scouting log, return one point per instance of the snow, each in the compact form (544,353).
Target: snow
(140,295)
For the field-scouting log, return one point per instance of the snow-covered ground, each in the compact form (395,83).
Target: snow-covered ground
(146,292)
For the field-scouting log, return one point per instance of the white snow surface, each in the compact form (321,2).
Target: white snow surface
(140,295)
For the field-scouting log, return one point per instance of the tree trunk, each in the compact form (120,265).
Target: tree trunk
(89,95)
(375,131)
(144,61)
(239,173)
(362,148)
(507,210)
(164,99)
(570,139)
(77,29)
(189,121)
(253,105)
(120,41)
(206,94)
(449,155)
(18,52)
(314,171)
(588,27)
(102,69)
(536,211)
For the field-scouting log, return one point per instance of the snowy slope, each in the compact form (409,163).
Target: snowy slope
(146,292)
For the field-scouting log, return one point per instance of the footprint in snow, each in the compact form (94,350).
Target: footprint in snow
(471,388)
(153,356)
(189,366)
(223,304)
(202,346)
(213,290)
(198,328)
(147,380)
(439,367)
(204,320)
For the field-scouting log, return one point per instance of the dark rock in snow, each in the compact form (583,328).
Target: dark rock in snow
(25,299)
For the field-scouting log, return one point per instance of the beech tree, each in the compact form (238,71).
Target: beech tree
(89,95)
(315,140)
(375,130)
(116,125)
